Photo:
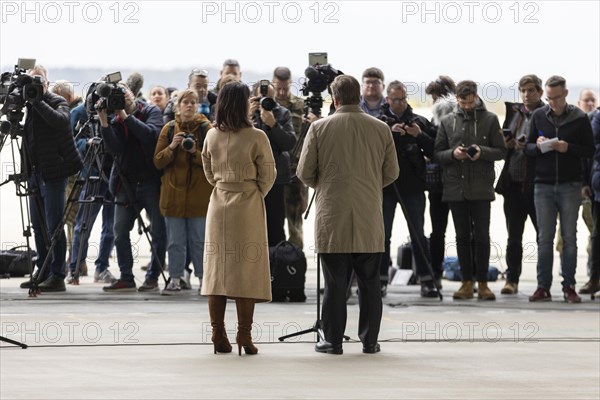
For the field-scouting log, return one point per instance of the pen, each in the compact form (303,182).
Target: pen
(540,133)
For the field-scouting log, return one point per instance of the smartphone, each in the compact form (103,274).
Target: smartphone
(507,133)
(317,59)
(471,151)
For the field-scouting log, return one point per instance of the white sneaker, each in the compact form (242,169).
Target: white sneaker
(105,277)
(185,282)
(171,289)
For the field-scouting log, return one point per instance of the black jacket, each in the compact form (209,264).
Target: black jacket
(554,167)
(133,142)
(282,139)
(50,138)
(411,151)
(517,120)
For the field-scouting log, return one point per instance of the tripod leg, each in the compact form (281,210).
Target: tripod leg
(7,340)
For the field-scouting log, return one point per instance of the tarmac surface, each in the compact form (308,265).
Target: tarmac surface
(86,344)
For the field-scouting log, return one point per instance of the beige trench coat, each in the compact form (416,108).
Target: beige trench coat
(241,168)
(348,158)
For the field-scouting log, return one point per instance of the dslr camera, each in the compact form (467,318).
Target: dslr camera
(106,95)
(266,102)
(17,88)
(188,141)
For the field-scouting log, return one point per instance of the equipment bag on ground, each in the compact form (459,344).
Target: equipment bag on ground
(288,272)
(14,261)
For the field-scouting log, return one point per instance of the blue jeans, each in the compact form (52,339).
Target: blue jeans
(146,196)
(415,207)
(563,199)
(49,206)
(84,222)
(185,234)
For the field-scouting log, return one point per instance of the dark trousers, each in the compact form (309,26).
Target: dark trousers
(472,221)
(517,206)
(275,209)
(415,208)
(336,269)
(595,252)
(438,213)
(47,213)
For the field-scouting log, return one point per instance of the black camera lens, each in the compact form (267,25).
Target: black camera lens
(188,142)
(268,103)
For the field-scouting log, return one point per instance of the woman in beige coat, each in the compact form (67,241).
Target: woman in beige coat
(239,163)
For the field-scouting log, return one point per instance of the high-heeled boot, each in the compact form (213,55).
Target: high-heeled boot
(216,310)
(245,312)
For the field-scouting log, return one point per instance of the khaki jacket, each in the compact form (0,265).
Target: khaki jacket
(348,158)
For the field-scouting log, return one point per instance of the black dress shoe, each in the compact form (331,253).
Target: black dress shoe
(428,289)
(372,348)
(326,347)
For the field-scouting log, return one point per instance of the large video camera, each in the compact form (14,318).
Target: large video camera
(105,95)
(319,76)
(17,88)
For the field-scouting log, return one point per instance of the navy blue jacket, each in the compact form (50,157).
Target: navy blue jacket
(133,142)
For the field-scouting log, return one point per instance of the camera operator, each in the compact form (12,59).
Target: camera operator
(276,122)
(296,193)
(132,136)
(53,158)
(85,143)
(414,138)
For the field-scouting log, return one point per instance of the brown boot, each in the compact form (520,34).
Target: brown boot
(245,312)
(216,310)
(484,292)
(465,292)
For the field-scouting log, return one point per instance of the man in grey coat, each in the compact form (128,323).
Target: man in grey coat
(348,158)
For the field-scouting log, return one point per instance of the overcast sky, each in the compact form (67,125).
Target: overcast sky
(409,40)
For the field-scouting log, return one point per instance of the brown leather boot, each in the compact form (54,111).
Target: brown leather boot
(484,292)
(216,310)
(245,312)
(465,292)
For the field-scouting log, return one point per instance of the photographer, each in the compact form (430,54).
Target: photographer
(52,159)
(198,82)
(131,136)
(467,144)
(185,192)
(413,138)
(516,179)
(276,122)
(296,193)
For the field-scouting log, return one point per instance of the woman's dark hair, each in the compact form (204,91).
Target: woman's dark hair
(232,107)
(442,86)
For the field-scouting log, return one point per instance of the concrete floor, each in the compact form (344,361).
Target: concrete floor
(85,344)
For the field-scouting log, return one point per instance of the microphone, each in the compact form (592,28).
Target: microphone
(135,81)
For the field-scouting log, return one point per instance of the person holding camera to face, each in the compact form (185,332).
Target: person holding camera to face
(131,137)
(276,121)
(52,158)
(184,192)
(413,138)
(467,144)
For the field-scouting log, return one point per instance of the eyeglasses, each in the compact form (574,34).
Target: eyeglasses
(372,82)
